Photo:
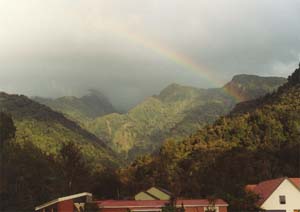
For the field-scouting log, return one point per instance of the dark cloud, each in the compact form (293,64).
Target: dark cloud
(62,47)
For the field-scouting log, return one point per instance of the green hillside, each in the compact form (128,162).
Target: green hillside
(80,109)
(176,112)
(258,140)
(48,129)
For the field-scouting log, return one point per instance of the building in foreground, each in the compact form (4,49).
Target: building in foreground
(76,203)
(278,195)
(83,202)
(195,205)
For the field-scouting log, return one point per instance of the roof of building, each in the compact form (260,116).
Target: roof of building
(163,190)
(154,193)
(159,193)
(266,188)
(144,195)
(155,203)
(60,199)
(296,181)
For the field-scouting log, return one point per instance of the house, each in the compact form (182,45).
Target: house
(154,193)
(280,195)
(196,205)
(72,203)
(83,202)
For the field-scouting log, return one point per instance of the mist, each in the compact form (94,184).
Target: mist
(53,48)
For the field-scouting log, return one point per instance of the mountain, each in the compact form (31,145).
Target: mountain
(248,87)
(176,112)
(48,129)
(80,109)
(258,140)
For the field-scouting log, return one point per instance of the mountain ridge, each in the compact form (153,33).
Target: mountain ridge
(247,87)
(89,106)
(175,112)
(48,129)
(257,143)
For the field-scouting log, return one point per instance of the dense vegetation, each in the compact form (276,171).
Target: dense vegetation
(49,130)
(30,177)
(45,155)
(176,112)
(251,144)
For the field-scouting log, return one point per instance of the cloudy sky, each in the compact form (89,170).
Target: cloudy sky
(130,49)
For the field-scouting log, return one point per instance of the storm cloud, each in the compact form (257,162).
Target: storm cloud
(64,47)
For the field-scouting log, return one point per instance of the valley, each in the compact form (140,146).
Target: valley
(175,113)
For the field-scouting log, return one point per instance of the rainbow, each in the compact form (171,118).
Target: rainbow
(178,58)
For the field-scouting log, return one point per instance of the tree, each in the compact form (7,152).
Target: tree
(75,173)
(171,206)
(28,177)
(7,128)
(107,184)
(295,77)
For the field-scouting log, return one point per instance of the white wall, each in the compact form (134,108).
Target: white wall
(292,197)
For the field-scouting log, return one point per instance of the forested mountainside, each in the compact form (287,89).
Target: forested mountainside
(31,176)
(80,109)
(257,143)
(248,145)
(49,130)
(176,112)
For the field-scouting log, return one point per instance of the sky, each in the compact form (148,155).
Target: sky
(132,49)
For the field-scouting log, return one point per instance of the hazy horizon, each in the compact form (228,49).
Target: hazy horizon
(133,49)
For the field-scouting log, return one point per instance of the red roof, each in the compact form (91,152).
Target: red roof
(266,188)
(296,181)
(154,203)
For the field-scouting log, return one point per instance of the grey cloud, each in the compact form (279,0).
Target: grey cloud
(63,47)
